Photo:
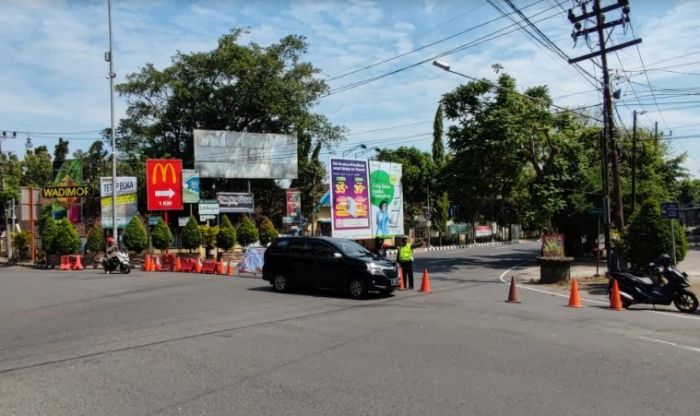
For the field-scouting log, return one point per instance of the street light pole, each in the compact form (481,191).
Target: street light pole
(634,159)
(111,76)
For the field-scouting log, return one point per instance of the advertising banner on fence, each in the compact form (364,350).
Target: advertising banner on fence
(350,199)
(483,231)
(386,195)
(190,186)
(127,206)
(235,202)
(294,205)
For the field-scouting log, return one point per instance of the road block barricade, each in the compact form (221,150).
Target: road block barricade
(71,263)
(209,266)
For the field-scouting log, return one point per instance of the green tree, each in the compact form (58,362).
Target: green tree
(10,168)
(60,152)
(135,236)
(649,235)
(226,238)
(37,169)
(96,239)
(21,242)
(66,240)
(247,233)
(191,235)
(267,232)
(47,229)
(417,176)
(161,236)
(209,235)
(438,146)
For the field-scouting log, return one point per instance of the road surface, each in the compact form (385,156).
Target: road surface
(83,343)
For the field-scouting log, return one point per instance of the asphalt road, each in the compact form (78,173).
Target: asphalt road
(85,343)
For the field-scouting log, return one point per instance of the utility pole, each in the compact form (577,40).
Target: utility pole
(110,58)
(608,145)
(634,161)
(656,137)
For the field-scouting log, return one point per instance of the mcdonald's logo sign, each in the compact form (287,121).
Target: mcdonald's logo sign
(163,184)
(163,169)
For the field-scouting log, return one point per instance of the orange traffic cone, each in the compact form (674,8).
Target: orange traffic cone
(198,266)
(230,269)
(220,267)
(425,286)
(78,264)
(147,263)
(574,300)
(401,285)
(615,299)
(513,296)
(156,263)
(176,264)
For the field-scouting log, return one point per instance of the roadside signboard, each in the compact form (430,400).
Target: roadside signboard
(208,207)
(127,206)
(164,184)
(203,218)
(190,186)
(386,197)
(241,202)
(669,210)
(153,220)
(293,204)
(182,221)
(350,202)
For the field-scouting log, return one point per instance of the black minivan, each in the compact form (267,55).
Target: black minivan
(329,263)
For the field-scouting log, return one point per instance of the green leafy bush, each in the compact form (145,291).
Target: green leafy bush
(191,235)
(209,235)
(649,236)
(66,240)
(267,232)
(135,235)
(21,242)
(96,239)
(161,236)
(247,233)
(226,238)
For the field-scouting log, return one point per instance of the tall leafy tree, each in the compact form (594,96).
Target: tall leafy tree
(37,169)
(60,152)
(438,145)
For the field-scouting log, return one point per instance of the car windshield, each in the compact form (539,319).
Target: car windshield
(352,249)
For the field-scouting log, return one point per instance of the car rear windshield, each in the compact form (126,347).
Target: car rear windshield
(352,249)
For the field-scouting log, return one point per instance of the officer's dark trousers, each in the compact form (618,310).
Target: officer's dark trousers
(407,269)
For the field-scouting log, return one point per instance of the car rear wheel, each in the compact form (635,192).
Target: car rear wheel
(358,289)
(280,283)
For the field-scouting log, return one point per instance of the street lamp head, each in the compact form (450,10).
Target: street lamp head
(442,65)
(28,145)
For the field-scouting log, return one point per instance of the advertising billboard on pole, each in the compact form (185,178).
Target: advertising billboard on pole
(190,186)
(127,206)
(241,155)
(236,202)
(350,199)
(164,184)
(386,196)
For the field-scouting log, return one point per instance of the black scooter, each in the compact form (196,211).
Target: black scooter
(665,285)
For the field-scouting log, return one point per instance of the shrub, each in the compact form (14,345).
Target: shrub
(226,238)
(21,242)
(191,235)
(161,236)
(267,232)
(649,236)
(48,236)
(209,235)
(96,239)
(135,236)
(66,240)
(247,233)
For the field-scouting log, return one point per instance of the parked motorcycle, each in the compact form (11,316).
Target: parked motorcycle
(665,284)
(120,261)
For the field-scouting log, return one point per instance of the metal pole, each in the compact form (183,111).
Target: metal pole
(31,222)
(634,161)
(656,136)
(429,214)
(111,77)
(673,241)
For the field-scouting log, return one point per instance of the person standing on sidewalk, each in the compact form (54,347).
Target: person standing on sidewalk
(405,259)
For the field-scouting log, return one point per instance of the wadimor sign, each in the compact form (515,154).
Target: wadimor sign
(64,191)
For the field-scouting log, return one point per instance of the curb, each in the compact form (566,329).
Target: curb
(458,247)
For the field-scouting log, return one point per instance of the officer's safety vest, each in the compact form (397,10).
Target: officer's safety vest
(405,253)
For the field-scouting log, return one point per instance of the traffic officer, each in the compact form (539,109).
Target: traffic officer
(405,259)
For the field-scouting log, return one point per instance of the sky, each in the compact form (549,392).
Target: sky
(375,55)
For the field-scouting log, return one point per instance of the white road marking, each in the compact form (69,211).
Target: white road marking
(673,344)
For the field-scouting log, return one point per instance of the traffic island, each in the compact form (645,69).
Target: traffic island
(554,269)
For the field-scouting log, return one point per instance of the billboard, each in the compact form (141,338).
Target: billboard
(68,176)
(164,184)
(127,206)
(294,204)
(386,196)
(350,199)
(235,202)
(190,186)
(229,154)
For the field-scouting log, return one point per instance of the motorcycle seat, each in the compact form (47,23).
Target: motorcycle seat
(640,279)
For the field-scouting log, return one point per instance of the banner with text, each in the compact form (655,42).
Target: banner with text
(241,202)
(386,195)
(350,199)
(127,203)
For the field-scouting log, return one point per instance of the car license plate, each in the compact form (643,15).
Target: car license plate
(395,282)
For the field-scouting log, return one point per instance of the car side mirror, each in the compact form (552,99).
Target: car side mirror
(337,255)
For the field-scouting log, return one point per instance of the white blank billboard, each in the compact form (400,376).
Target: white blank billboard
(228,154)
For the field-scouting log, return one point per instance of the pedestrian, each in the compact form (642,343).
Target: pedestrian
(379,248)
(405,259)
